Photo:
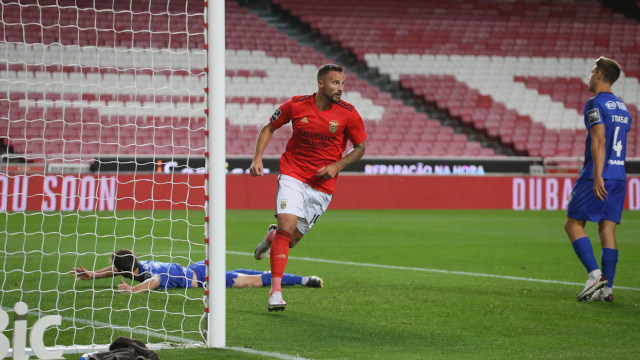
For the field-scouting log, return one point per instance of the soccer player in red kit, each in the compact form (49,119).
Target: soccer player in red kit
(322,125)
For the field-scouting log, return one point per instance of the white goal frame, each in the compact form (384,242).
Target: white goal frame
(216,252)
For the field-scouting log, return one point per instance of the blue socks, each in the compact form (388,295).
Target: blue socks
(584,250)
(609,260)
(266,278)
(287,279)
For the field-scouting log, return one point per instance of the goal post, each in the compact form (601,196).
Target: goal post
(216,205)
(106,143)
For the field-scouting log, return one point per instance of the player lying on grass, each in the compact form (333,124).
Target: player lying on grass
(156,275)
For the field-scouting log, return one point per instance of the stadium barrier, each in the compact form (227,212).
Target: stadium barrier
(353,191)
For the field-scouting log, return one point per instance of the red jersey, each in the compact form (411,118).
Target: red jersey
(319,138)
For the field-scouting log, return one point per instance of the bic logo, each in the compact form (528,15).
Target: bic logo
(20,334)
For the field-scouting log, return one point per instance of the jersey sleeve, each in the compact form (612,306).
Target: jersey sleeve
(282,115)
(355,130)
(164,279)
(155,270)
(592,114)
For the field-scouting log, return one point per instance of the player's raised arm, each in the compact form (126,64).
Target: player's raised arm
(264,137)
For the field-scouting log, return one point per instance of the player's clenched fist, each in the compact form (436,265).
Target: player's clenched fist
(256,169)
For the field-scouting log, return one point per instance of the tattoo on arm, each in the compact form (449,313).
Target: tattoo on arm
(352,156)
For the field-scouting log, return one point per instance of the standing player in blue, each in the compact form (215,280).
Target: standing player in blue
(598,194)
(156,275)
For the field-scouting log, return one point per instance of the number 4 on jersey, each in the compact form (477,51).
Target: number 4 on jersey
(617,144)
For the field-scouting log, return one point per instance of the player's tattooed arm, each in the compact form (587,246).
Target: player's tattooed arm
(355,154)
(330,171)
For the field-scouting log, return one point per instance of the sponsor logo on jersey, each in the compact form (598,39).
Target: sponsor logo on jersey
(616,104)
(276,115)
(594,116)
(621,106)
(333,126)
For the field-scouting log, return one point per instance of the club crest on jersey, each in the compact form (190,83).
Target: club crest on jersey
(333,126)
(304,120)
(283,204)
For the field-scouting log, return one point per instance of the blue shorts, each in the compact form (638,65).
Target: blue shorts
(201,272)
(584,205)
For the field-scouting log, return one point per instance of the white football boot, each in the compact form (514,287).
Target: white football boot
(603,294)
(276,303)
(596,282)
(264,247)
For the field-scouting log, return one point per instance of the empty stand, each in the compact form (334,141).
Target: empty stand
(124,82)
(123,85)
(511,70)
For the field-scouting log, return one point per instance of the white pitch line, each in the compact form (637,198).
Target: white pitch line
(267,353)
(394,267)
(101,324)
(177,339)
(350,263)
(452,272)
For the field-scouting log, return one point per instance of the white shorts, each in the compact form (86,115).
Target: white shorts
(297,198)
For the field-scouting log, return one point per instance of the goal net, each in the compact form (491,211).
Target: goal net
(103,140)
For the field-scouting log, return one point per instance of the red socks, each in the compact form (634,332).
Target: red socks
(278,258)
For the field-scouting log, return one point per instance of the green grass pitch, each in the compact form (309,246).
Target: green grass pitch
(399,284)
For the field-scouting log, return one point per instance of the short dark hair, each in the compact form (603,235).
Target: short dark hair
(125,262)
(610,69)
(326,68)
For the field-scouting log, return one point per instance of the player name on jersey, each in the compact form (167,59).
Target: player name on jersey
(620,119)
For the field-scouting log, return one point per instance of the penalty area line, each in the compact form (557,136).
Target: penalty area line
(451,272)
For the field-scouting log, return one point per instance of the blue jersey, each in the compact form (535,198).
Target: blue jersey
(172,275)
(605,108)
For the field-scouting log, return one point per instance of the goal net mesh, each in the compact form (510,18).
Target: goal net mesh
(102,133)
